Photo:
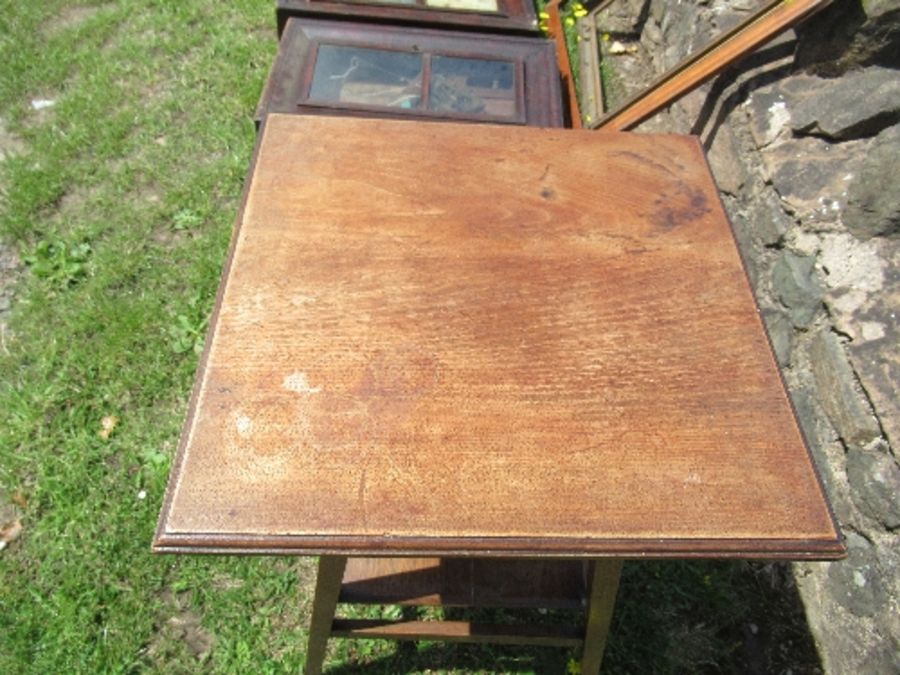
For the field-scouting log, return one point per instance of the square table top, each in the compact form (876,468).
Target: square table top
(462,339)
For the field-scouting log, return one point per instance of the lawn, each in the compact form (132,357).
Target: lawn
(129,129)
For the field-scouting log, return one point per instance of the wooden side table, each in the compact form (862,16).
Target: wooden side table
(482,341)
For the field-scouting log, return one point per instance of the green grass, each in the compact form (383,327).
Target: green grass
(121,205)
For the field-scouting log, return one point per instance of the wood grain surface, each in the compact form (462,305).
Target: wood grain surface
(486,340)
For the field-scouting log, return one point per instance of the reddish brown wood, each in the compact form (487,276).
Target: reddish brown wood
(466,582)
(287,89)
(441,338)
(512,16)
(549,635)
(554,21)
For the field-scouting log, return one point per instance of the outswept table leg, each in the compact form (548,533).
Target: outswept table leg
(604,586)
(328,588)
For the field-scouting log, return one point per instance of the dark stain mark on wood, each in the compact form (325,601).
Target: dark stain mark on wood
(680,207)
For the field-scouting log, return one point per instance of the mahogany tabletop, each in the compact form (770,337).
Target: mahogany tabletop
(463,339)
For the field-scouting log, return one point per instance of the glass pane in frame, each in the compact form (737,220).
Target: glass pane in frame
(473,86)
(365,76)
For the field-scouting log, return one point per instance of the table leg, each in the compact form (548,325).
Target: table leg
(328,587)
(604,586)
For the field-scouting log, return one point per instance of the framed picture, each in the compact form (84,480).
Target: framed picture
(509,16)
(345,68)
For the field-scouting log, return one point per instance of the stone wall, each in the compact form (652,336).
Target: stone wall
(804,141)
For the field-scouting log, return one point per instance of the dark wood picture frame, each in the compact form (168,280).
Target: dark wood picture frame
(531,63)
(512,16)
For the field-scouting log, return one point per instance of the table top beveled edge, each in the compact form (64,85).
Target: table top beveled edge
(509,547)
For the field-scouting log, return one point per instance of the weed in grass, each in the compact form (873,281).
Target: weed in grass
(61,265)
(185,219)
(188,330)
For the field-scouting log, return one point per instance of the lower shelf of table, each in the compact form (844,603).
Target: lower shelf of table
(458,631)
(466,582)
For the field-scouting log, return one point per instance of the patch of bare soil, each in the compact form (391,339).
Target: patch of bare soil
(10,265)
(181,628)
(71,17)
(10,268)
(10,144)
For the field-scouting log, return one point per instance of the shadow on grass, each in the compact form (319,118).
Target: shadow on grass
(671,617)
(460,658)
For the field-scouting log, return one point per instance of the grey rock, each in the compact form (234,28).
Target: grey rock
(651,36)
(851,264)
(815,431)
(875,481)
(781,333)
(861,103)
(683,30)
(855,272)
(856,581)
(836,388)
(770,107)
(726,18)
(801,176)
(812,176)
(658,10)
(875,352)
(883,658)
(768,220)
(797,288)
(848,35)
(743,234)
(623,17)
(887,553)
(769,115)
(873,203)
(725,162)
(809,420)
(742,5)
